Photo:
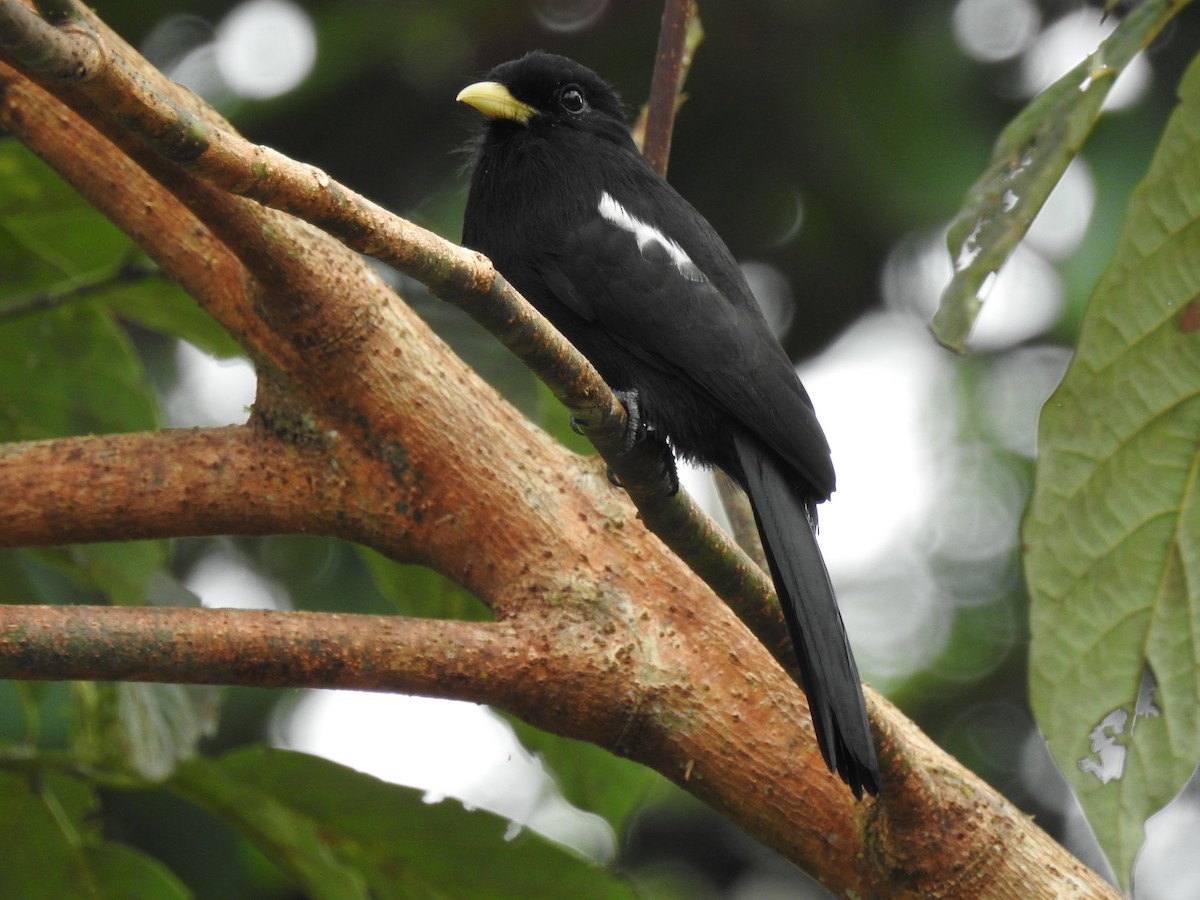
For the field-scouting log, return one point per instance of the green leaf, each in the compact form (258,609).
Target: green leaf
(300,808)
(122,872)
(159,725)
(590,777)
(47,232)
(1113,531)
(421,592)
(50,848)
(120,574)
(162,305)
(56,251)
(297,842)
(69,371)
(1029,158)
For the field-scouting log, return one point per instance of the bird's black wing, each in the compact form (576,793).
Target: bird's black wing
(642,265)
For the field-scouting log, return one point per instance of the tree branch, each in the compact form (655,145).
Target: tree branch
(260,648)
(233,480)
(678,37)
(981,846)
(638,658)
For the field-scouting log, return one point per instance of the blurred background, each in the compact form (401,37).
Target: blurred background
(830,144)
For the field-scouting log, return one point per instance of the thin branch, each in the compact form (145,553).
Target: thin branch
(741,518)
(678,37)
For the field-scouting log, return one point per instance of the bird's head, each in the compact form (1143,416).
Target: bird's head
(542,91)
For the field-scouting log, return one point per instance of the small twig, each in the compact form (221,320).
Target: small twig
(680,34)
(677,39)
(741,518)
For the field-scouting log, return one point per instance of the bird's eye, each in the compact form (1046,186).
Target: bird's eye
(572,100)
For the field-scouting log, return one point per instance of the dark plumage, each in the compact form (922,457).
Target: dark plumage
(571,214)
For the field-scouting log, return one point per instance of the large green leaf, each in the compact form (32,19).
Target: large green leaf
(1113,531)
(342,834)
(50,847)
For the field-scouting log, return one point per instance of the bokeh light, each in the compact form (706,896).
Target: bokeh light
(1061,46)
(995,30)
(879,394)
(773,292)
(1024,299)
(265,48)
(1063,220)
(259,50)
(567,16)
(223,581)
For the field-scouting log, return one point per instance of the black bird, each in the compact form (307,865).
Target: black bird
(571,214)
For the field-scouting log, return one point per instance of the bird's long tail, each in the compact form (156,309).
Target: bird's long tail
(827,666)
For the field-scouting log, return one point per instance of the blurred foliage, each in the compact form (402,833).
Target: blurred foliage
(817,136)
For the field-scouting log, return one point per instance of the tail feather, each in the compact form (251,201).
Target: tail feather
(810,609)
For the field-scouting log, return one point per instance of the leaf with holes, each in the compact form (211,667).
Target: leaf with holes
(1113,531)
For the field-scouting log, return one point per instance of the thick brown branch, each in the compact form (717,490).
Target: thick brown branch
(259,648)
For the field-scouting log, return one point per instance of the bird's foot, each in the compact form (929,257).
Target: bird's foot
(635,426)
(638,431)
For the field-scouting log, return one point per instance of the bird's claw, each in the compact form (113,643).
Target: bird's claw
(669,470)
(635,426)
(637,431)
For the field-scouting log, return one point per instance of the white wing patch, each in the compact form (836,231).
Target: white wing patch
(653,244)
